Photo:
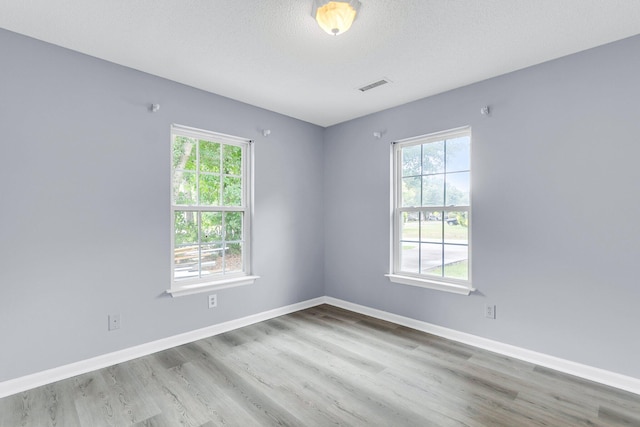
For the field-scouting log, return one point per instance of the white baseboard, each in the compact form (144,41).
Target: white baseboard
(598,375)
(38,379)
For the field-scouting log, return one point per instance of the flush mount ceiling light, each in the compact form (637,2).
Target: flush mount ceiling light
(335,17)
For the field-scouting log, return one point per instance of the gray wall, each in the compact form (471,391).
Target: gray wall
(555,208)
(84,224)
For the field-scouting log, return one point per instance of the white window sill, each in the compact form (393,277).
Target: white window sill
(212,286)
(431,284)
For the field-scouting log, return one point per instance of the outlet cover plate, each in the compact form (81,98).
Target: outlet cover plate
(490,311)
(114,322)
(213,300)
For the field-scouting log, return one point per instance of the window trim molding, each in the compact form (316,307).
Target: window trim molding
(197,288)
(200,285)
(462,287)
(430,284)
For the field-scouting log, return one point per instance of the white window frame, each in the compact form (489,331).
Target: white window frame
(458,286)
(205,284)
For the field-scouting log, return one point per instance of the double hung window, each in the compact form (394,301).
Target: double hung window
(211,224)
(432,211)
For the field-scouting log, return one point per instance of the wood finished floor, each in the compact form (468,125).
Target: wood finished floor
(318,367)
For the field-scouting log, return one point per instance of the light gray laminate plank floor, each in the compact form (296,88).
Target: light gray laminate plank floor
(320,367)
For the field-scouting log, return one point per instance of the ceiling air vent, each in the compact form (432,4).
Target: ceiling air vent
(373,85)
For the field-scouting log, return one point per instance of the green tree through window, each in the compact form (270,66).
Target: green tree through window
(209,205)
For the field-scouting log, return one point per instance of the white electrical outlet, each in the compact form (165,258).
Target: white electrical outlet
(114,322)
(490,311)
(213,301)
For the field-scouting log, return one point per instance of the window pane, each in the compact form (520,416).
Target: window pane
(409,256)
(184,153)
(458,154)
(233,258)
(431,227)
(456,261)
(410,226)
(411,191)
(458,189)
(184,187)
(431,259)
(433,190)
(210,190)
(209,156)
(456,227)
(411,160)
(232,195)
(186,227)
(433,158)
(433,271)
(233,225)
(212,259)
(211,227)
(186,249)
(232,160)
(186,262)
(432,215)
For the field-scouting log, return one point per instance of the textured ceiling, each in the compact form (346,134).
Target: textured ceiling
(272,54)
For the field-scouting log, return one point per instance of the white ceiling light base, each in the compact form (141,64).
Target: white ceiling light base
(335,17)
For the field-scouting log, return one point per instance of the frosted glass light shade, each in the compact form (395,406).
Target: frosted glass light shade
(335,17)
